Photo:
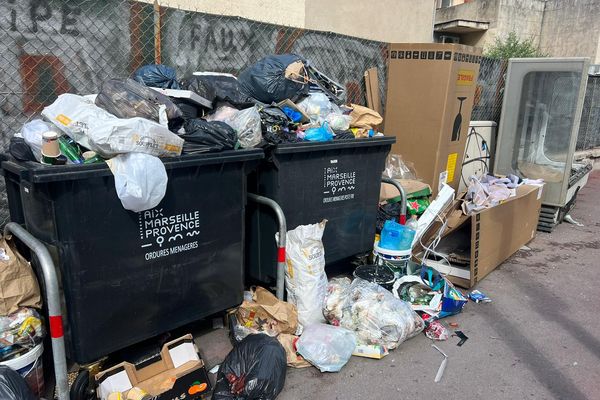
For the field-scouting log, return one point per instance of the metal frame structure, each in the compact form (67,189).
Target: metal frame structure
(402,218)
(52,293)
(281,239)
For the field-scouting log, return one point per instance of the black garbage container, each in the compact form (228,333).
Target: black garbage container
(130,276)
(338,181)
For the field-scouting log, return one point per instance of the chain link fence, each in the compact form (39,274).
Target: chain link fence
(589,126)
(49,47)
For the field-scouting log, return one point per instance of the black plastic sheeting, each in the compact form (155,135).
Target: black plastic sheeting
(254,370)
(218,88)
(386,212)
(13,386)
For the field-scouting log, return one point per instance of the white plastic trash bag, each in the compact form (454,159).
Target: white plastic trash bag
(305,278)
(140,180)
(327,347)
(98,130)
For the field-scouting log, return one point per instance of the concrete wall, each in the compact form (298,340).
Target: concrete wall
(572,28)
(280,12)
(561,28)
(521,16)
(383,20)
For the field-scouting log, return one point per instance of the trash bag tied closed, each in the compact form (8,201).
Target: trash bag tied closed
(140,180)
(254,370)
(276,78)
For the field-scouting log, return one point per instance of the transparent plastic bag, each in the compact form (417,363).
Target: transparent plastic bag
(338,122)
(248,127)
(32,132)
(317,106)
(376,316)
(140,180)
(338,292)
(327,347)
(397,168)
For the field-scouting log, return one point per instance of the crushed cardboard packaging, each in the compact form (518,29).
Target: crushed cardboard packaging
(430,92)
(267,314)
(177,372)
(18,284)
(364,117)
(372,90)
(294,359)
(485,239)
(412,188)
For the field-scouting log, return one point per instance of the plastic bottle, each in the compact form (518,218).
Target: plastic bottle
(413,223)
(408,233)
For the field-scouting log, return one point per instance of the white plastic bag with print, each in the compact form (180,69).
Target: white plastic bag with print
(140,180)
(98,130)
(305,278)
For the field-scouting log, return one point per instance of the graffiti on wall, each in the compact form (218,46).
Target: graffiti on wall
(50,47)
(201,42)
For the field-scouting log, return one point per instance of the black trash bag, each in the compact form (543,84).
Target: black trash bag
(126,98)
(277,127)
(386,212)
(217,87)
(343,135)
(20,150)
(266,80)
(207,136)
(157,75)
(254,370)
(13,386)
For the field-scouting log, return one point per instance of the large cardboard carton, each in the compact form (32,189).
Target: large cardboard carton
(430,92)
(177,372)
(478,243)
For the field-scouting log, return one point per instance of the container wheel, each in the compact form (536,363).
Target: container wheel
(81,389)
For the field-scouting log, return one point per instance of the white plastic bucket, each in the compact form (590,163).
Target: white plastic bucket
(31,368)
(397,260)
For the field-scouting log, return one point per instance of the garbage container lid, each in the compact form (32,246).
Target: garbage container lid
(302,147)
(40,173)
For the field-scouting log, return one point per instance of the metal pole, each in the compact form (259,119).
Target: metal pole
(402,194)
(52,300)
(281,241)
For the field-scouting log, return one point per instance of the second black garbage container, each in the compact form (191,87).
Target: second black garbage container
(338,181)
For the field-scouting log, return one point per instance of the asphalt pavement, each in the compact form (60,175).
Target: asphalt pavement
(538,339)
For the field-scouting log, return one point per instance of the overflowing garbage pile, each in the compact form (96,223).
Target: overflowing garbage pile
(279,99)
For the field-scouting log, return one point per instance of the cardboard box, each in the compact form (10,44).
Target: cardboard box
(412,188)
(430,92)
(177,372)
(482,241)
